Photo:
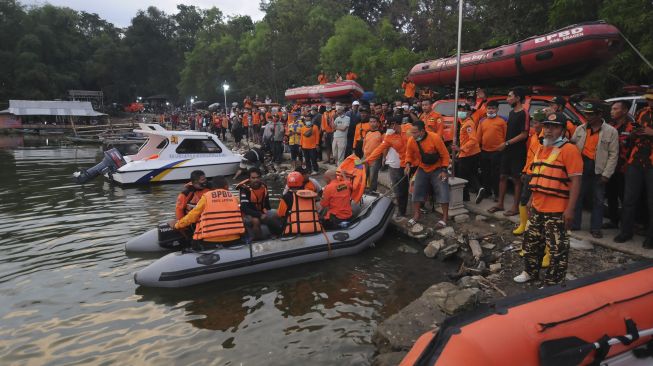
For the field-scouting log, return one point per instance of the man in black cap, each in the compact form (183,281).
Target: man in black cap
(557,105)
(361,130)
(555,184)
(598,143)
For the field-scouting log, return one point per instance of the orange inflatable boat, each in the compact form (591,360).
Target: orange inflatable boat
(604,319)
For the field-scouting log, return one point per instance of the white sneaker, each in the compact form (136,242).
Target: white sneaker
(522,277)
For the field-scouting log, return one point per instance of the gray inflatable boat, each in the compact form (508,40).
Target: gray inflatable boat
(180,269)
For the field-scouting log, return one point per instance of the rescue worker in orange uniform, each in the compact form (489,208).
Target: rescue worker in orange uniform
(336,201)
(557,105)
(409,89)
(556,174)
(217,215)
(351,75)
(432,119)
(468,150)
(192,193)
(362,128)
(327,127)
(639,175)
(426,152)
(491,134)
(372,140)
(298,208)
(322,78)
(255,203)
(393,147)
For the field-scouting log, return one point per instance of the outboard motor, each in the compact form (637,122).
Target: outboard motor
(112,161)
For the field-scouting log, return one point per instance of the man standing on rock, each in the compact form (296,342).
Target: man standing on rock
(426,151)
(556,173)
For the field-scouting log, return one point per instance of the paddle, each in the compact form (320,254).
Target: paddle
(573,350)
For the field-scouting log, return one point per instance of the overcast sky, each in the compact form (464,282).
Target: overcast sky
(120,12)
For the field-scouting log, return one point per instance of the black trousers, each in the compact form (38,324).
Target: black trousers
(467,168)
(490,170)
(614,192)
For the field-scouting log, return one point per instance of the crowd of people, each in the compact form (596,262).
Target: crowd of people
(552,164)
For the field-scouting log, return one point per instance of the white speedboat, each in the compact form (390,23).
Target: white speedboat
(166,156)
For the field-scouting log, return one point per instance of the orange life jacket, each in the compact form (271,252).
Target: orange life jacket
(188,197)
(303,217)
(221,216)
(549,176)
(256,196)
(355,174)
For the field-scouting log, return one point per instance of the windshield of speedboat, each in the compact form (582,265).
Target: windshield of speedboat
(153,145)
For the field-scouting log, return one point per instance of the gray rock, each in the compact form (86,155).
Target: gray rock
(447,232)
(401,330)
(580,244)
(461,300)
(468,281)
(480,218)
(493,277)
(461,218)
(417,228)
(448,251)
(495,267)
(389,359)
(488,246)
(433,247)
(570,277)
(481,265)
(407,249)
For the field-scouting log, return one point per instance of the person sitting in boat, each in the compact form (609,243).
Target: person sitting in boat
(297,208)
(192,193)
(255,203)
(308,182)
(254,158)
(336,201)
(217,215)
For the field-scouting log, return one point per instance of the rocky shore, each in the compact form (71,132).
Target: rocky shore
(487,257)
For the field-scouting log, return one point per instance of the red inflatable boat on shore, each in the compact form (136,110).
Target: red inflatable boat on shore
(607,317)
(347,89)
(558,55)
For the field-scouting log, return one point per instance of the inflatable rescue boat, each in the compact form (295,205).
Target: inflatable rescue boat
(606,318)
(347,89)
(188,268)
(567,52)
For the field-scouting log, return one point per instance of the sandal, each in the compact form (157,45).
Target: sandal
(411,223)
(440,224)
(494,209)
(510,213)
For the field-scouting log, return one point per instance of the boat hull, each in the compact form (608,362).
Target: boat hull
(141,172)
(337,90)
(511,331)
(565,53)
(182,269)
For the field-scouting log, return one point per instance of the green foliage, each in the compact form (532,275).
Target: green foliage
(46,50)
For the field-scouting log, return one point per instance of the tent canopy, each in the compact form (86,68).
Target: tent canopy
(51,108)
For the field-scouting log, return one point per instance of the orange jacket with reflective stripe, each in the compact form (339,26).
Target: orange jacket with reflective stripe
(302,218)
(336,199)
(468,140)
(219,217)
(189,196)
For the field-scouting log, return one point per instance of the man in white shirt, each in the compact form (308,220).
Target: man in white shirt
(341,124)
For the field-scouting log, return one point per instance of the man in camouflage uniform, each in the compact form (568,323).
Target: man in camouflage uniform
(556,172)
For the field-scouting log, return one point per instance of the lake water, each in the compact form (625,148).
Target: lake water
(69,298)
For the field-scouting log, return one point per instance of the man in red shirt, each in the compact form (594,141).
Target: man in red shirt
(336,201)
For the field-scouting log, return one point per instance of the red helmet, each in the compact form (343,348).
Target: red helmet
(295,180)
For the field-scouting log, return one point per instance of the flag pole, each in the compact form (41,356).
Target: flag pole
(455,109)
